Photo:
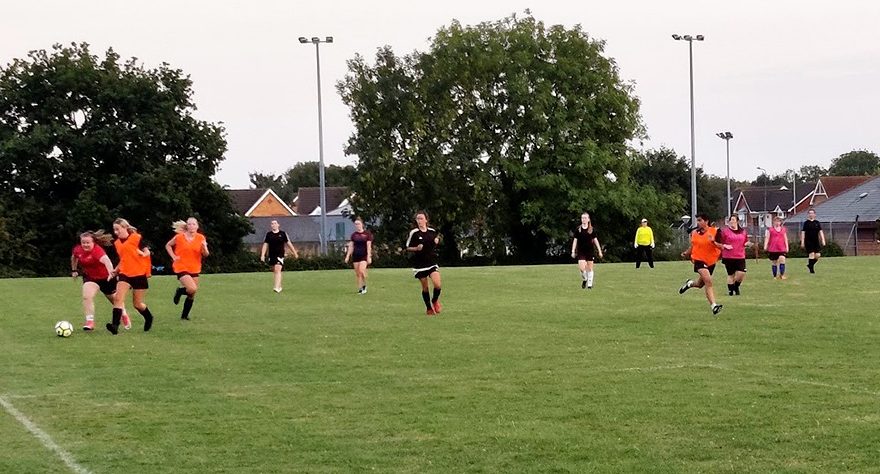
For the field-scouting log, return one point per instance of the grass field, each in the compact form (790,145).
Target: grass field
(523,372)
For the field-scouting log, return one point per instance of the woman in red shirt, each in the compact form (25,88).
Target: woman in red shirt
(186,250)
(90,261)
(133,270)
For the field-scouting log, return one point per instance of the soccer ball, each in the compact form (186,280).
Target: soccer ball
(63,328)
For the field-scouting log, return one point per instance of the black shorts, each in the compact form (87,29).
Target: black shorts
(775,255)
(108,287)
(275,260)
(183,274)
(698,265)
(733,265)
(812,247)
(137,282)
(586,256)
(358,258)
(419,274)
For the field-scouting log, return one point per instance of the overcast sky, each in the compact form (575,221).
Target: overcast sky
(797,83)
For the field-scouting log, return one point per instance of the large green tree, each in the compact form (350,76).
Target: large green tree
(504,131)
(303,174)
(84,140)
(855,163)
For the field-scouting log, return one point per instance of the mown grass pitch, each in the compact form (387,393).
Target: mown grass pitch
(523,372)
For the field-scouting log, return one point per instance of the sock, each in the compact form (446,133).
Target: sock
(117,316)
(584,274)
(774,271)
(781,269)
(90,317)
(148,318)
(427,297)
(180,292)
(436,295)
(736,285)
(187,306)
(590,278)
(730,286)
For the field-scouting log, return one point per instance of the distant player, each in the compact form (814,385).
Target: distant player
(422,244)
(132,271)
(644,244)
(186,250)
(812,239)
(276,244)
(97,274)
(734,240)
(704,252)
(582,245)
(776,246)
(360,253)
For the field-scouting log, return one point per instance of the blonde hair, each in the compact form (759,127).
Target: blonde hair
(99,237)
(178,227)
(125,225)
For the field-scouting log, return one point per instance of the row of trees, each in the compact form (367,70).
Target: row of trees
(853,163)
(84,140)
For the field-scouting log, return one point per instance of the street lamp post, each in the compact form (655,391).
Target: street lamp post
(726,136)
(690,39)
(764,211)
(317,42)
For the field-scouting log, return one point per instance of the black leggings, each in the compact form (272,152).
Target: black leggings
(648,253)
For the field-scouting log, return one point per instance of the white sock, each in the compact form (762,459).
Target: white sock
(589,278)
(90,317)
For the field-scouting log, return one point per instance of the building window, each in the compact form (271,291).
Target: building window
(340,231)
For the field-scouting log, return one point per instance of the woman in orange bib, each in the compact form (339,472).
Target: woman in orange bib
(704,252)
(132,271)
(186,250)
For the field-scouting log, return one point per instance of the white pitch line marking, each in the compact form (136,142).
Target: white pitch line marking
(44,438)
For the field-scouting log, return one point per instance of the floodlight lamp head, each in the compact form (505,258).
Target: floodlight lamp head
(315,39)
(700,38)
(676,37)
(688,37)
(303,39)
(328,39)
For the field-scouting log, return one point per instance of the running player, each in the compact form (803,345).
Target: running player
(186,250)
(277,243)
(734,240)
(812,239)
(582,249)
(704,252)
(422,243)
(360,253)
(97,274)
(776,246)
(133,270)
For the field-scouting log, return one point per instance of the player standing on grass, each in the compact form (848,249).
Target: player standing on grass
(360,253)
(704,252)
(133,270)
(644,244)
(422,243)
(582,249)
(97,274)
(812,239)
(734,240)
(277,243)
(186,250)
(776,246)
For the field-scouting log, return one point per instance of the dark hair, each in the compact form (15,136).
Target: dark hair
(703,216)
(422,212)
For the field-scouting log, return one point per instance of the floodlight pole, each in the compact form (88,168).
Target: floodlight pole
(726,136)
(690,39)
(323,191)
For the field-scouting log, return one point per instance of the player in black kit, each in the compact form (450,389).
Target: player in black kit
(360,253)
(812,239)
(277,243)
(422,243)
(582,249)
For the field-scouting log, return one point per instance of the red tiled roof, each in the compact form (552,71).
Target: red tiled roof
(244,199)
(835,185)
(310,198)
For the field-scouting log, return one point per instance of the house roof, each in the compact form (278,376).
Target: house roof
(835,185)
(308,199)
(862,200)
(777,196)
(298,228)
(244,199)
